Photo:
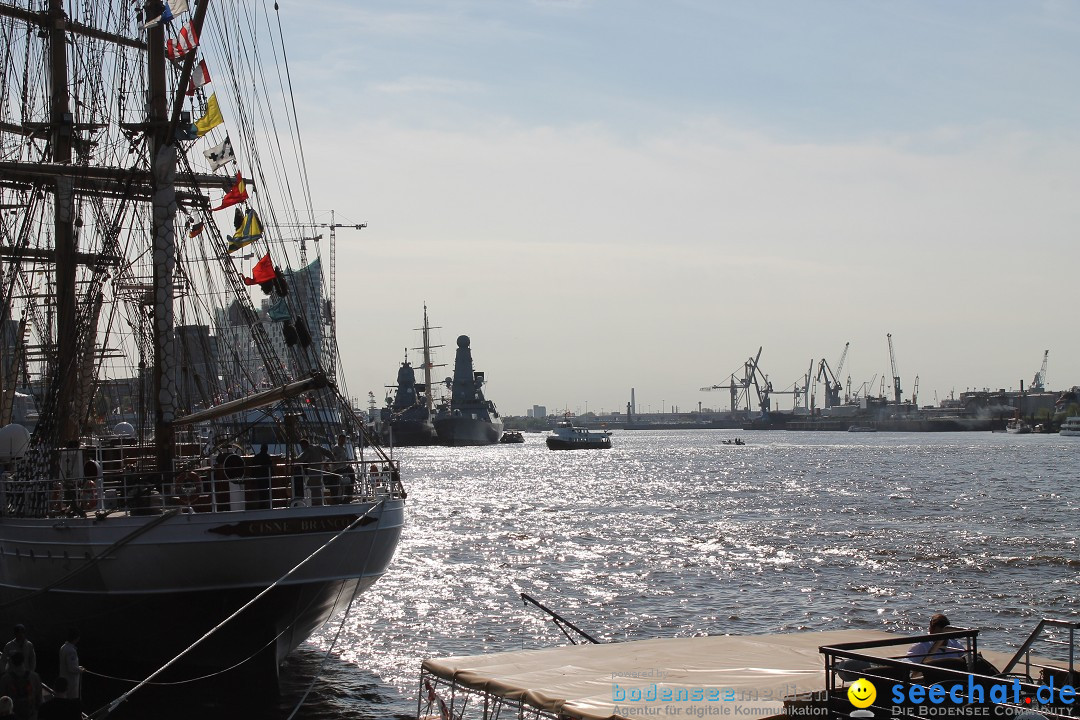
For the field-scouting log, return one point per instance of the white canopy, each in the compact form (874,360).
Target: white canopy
(747,676)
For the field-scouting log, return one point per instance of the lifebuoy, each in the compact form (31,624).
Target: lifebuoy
(88,495)
(187,488)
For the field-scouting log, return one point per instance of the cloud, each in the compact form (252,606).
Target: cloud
(417,85)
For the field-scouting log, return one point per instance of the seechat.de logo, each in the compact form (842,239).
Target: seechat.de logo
(862,693)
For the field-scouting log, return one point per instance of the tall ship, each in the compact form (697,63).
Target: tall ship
(469,419)
(195,474)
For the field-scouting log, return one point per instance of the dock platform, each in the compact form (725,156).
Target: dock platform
(739,676)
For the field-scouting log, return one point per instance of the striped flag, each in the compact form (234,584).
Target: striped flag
(199,77)
(184,42)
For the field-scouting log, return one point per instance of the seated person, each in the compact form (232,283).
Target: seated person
(927,650)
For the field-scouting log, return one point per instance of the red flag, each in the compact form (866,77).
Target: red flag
(183,43)
(262,272)
(199,77)
(237,194)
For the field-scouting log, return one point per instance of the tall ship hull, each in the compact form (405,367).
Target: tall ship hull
(174,577)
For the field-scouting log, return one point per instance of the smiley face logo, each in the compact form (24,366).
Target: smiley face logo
(861,693)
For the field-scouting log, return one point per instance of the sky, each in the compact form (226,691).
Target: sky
(606,195)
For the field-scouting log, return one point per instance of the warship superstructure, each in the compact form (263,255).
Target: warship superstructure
(470,419)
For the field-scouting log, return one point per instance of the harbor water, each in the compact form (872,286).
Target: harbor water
(674,533)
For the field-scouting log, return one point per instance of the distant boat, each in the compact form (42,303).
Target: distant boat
(1017,426)
(511,437)
(1071,426)
(568,437)
(862,428)
(470,419)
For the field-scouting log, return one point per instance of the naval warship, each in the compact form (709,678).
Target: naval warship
(407,416)
(469,419)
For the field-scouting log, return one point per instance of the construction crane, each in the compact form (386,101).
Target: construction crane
(895,375)
(329,317)
(1039,383)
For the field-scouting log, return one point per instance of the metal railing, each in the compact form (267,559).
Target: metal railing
(964,684)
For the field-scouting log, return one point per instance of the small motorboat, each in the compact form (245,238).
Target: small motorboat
(512,436)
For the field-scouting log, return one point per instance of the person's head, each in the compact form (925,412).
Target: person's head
(341,439)
(304,444)
(73,635)
(20,632)
(264,450)
(7,706)
(938,623)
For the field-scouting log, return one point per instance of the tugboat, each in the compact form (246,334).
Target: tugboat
(469,419)
(568,437)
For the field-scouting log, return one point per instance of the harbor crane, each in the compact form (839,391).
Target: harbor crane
(895,375)
(763,386)
(1039,383)
(740,388)
(832,381)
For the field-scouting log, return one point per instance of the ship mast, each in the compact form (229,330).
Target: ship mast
(60,130)
(427,363)
(161,128)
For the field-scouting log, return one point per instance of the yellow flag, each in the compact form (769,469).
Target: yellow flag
(248,232)
(211,119)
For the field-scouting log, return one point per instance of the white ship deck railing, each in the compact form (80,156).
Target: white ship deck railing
(199,489)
